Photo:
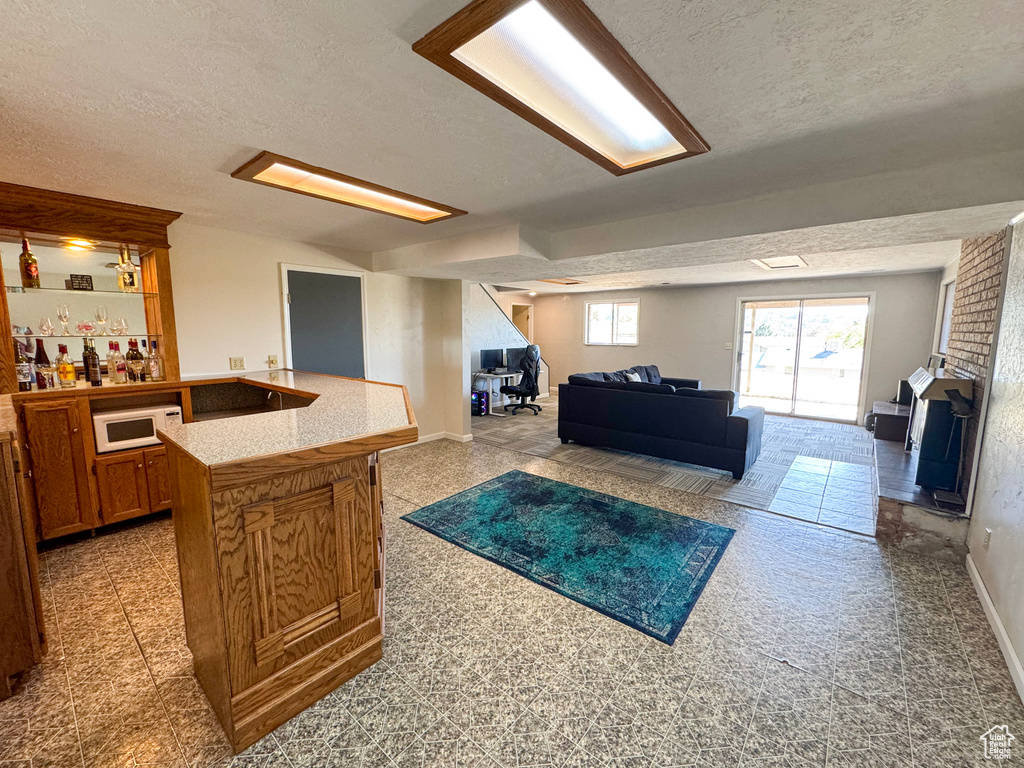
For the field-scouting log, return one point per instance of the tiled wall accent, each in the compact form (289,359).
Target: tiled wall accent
(975,303)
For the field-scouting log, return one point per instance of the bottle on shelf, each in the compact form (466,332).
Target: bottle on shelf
(128,274)
(135,362)
(66,374)
(91,363)
(156,364)
(23,368)
(29,266)
(45,370)
(110,355)
(145,353)
(117,368)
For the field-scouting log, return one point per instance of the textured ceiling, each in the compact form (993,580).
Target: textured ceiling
(156,103)
(892,260)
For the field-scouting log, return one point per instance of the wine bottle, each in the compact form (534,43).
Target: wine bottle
(91,362)
(156,364)
(44,369)
(66,374)
(29,266)
(128,275)
(118,369)
(134,360)
(23,368)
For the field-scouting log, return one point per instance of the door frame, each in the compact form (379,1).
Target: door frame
(286,314)
(868,333)
(529,324)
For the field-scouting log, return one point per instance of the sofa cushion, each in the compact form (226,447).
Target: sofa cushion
(643,386)
(648,373)
(594,376)
(579,381)
(710,394)
(616,375)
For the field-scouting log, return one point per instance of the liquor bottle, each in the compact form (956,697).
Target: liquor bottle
(128,275)
(44,368)
(156,364)
(118,368)
(29,266)
(23,368)
(91,362)
(66,374)
(110,355)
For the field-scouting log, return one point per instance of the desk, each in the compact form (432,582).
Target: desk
(496,399)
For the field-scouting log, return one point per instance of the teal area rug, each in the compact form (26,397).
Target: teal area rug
(639,565)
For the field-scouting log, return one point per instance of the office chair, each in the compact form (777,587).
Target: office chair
(527,388)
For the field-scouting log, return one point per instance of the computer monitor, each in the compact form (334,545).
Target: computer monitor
(514,356)
(491,359)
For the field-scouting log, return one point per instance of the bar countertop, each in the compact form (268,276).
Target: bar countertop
(343,410)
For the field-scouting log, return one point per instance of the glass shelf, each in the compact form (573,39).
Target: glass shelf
(18,289)
(109,336)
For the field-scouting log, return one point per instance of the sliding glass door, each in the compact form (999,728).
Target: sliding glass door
(803,357)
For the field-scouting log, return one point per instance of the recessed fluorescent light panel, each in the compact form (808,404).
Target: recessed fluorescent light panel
(780,262)
(555,64)
(296,176)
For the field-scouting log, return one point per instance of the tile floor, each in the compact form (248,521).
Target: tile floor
(834,493)
(809,647)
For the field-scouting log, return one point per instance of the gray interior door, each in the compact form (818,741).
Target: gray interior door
(326,323)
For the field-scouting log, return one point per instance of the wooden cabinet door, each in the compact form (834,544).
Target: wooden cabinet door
(121,480)
(59,470)
(157,479)
(297,568)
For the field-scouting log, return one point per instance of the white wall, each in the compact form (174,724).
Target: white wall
(999,490)
(227,302)
(947,276)
(684,330)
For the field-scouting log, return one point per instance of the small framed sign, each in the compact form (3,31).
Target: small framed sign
(79,283)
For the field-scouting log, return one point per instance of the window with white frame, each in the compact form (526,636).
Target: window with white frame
(613,322)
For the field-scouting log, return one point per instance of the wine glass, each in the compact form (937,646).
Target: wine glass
(101,320)
(45,326)
(135,366)
(63,315)
(118,326)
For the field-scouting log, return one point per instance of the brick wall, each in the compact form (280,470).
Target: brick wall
(978,282)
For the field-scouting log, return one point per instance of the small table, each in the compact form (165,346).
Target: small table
(496,399)
(891,421)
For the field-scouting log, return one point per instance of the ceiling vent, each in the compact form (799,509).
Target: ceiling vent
(780,262)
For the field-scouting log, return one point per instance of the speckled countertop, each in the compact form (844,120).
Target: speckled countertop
(344,409)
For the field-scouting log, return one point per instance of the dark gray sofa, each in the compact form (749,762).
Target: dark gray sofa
(665,417)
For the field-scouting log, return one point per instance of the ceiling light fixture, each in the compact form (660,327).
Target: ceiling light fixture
(533,293)
(554,63)
(780,262)
(295,176)
(78,244)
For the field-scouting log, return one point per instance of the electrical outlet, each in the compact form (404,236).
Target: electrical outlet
(237,363)
(728,345)
(988,538)
(272,361)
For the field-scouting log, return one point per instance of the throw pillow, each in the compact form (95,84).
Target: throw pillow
(632,377)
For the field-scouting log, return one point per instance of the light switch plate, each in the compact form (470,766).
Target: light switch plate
(237,363)
(272,361)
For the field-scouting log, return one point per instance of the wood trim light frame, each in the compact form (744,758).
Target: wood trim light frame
(291,175)
(571,66)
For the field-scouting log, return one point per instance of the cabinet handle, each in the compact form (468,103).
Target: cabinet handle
(150,463)
(140,466)
(74,431)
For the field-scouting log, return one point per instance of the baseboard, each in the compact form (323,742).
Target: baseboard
(457,438)
(1009,653)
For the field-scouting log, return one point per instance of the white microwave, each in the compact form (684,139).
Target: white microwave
(120,430)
